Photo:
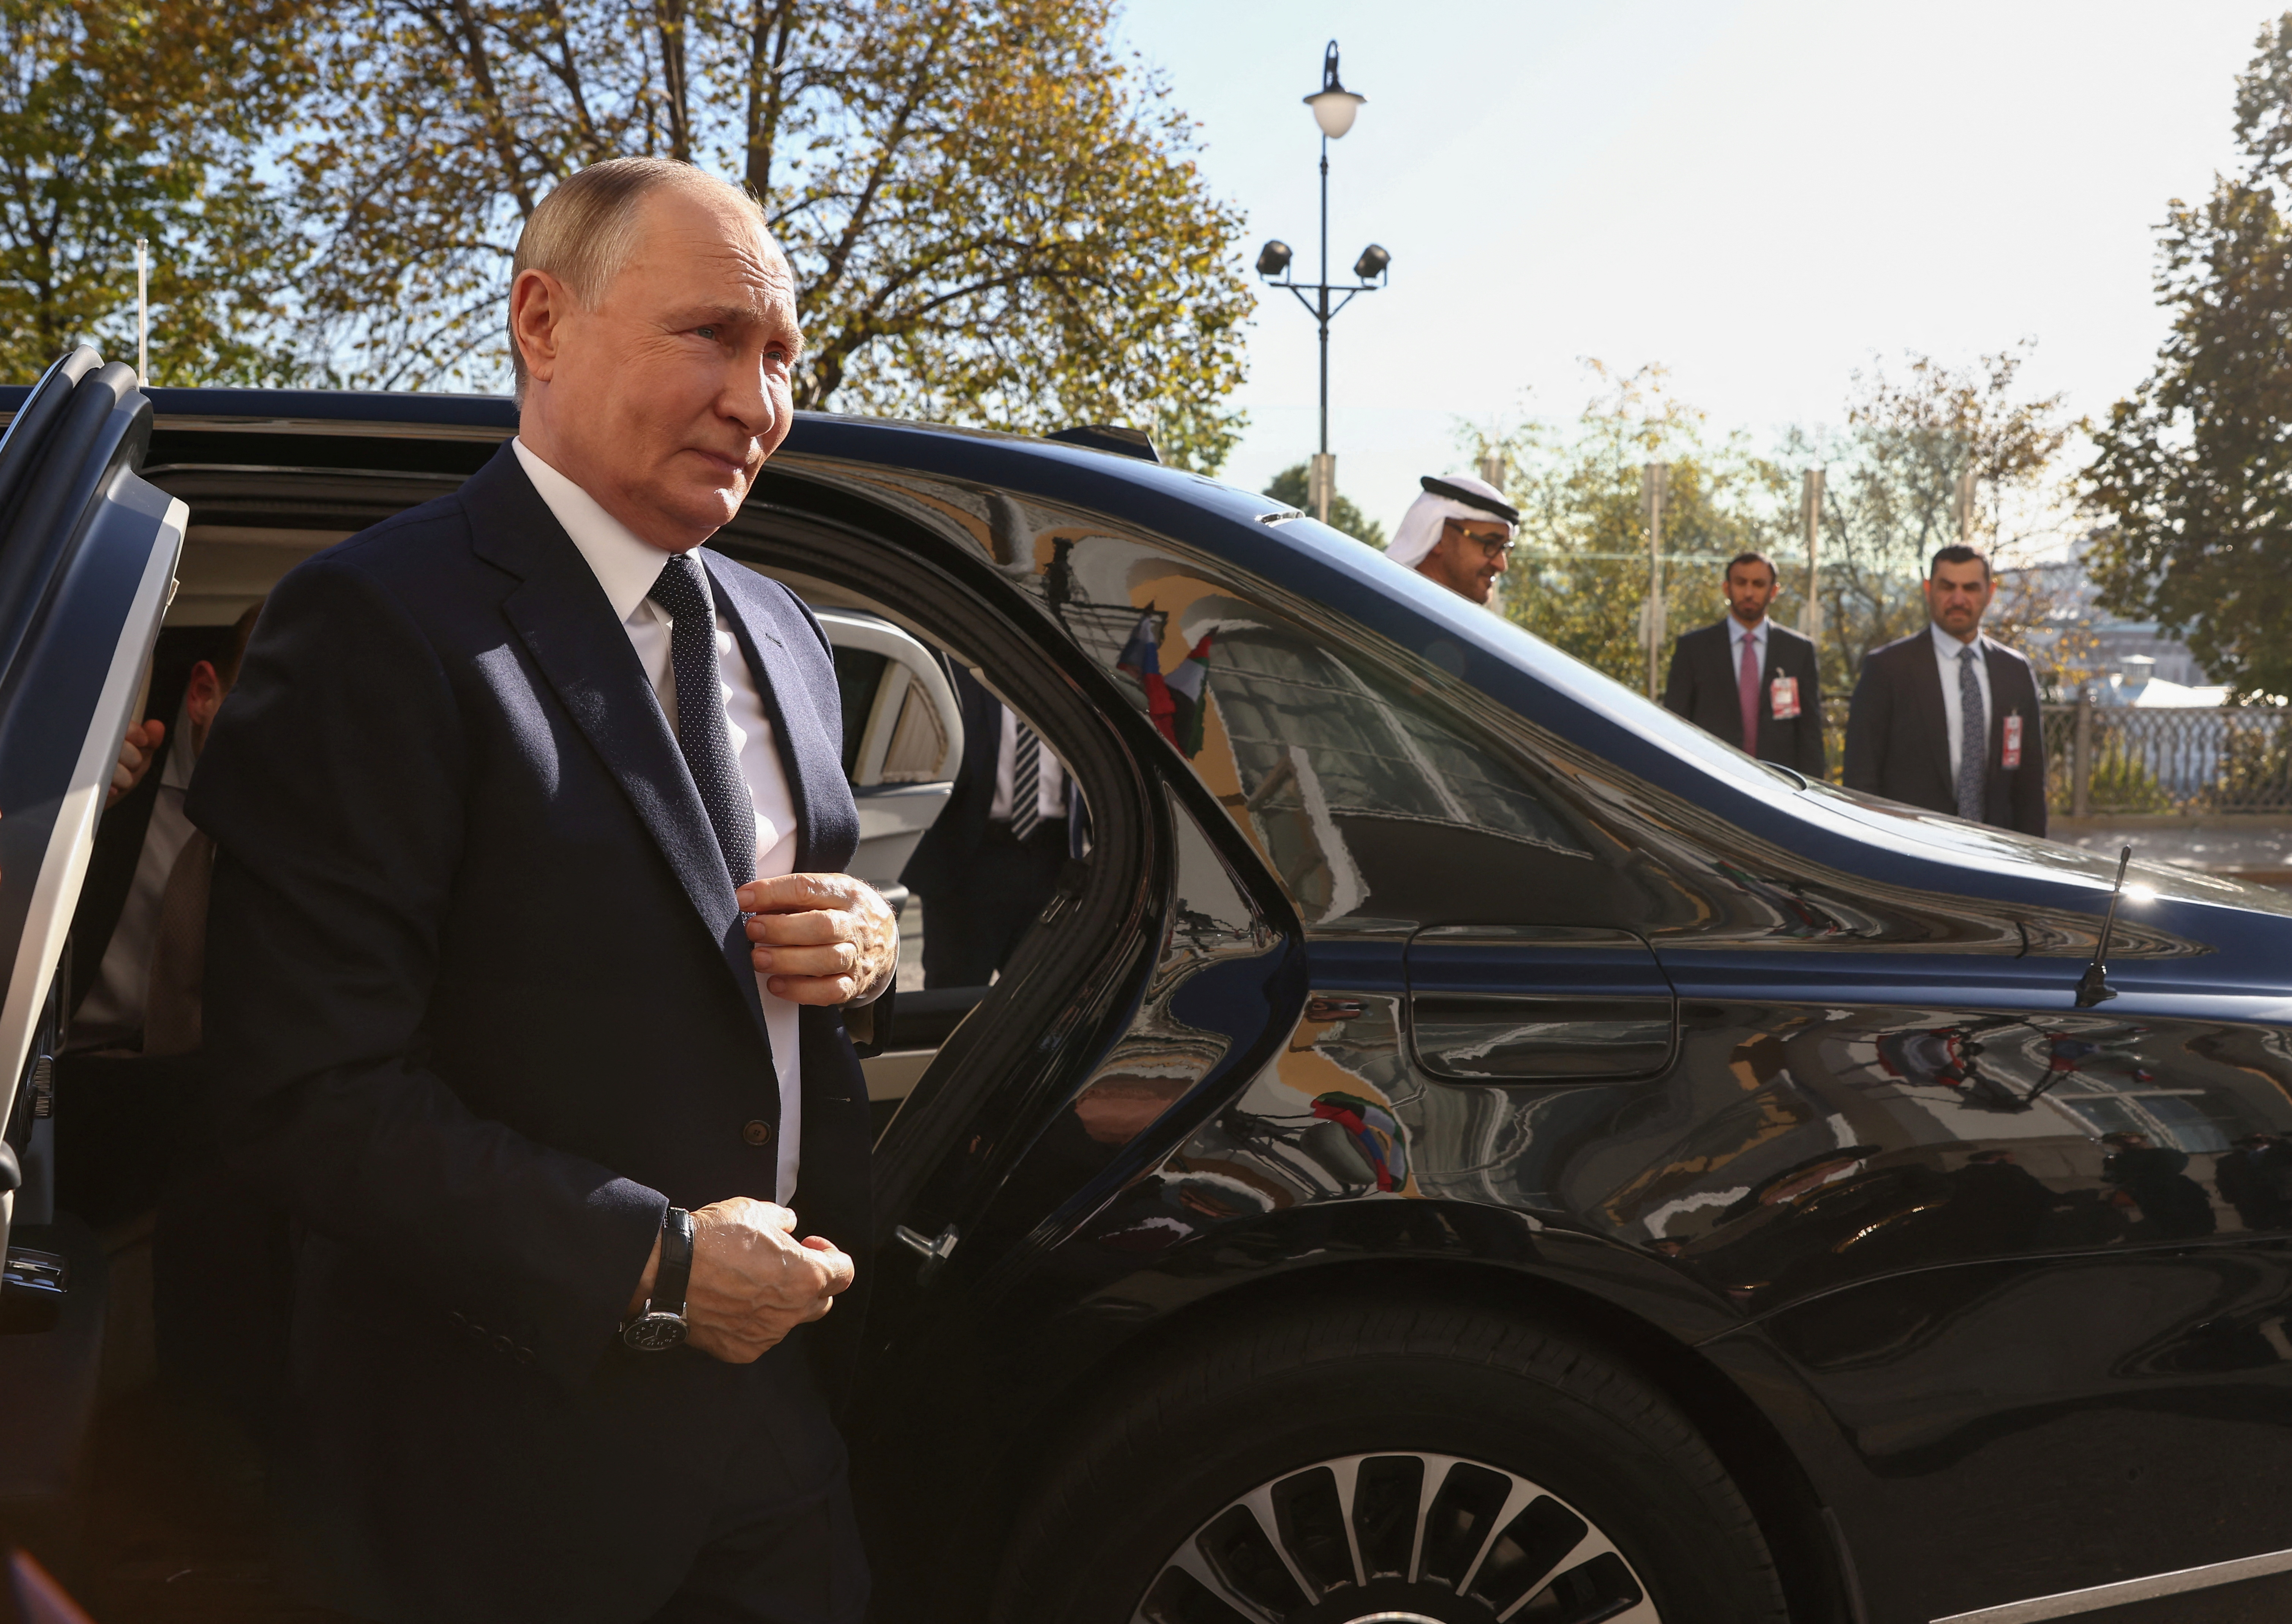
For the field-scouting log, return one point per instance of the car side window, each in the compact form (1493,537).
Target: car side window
(1372,796)
(858,675)
(1341,777)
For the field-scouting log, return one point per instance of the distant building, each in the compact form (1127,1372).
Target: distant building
(2130,662)
(2135,683)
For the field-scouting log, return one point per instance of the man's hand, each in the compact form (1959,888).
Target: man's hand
(820,938)
(137,752)
(752,1281)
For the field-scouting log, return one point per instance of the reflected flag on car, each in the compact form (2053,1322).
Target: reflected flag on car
(1374,1131)
(1188,687)
(1142,656)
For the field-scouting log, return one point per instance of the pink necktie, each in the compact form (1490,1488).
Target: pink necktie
(1747,689)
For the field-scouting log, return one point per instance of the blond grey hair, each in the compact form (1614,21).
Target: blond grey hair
(585,231)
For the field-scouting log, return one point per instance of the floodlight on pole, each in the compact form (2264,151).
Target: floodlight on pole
(1334,111)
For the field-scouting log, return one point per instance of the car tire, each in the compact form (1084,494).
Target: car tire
(1516,1440)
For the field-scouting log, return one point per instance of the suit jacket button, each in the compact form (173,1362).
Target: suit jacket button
(525,1355)
(456,1320)
(475,1332)
(757,1133)
(503,1345)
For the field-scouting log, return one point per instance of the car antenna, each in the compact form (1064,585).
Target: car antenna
(2093,986)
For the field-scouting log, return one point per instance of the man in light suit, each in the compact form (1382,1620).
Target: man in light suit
(527,955)
(1948,718)
(1751,683)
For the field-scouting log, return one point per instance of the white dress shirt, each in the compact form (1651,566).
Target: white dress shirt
(112,1013)
(1736,632)
(626,566)
(1050,788)
(1946,649)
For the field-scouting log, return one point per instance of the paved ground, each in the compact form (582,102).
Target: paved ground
(2253,847)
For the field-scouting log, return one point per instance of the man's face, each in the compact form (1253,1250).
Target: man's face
(1469,556)
(664,400)
(1750,588)
(1957,594)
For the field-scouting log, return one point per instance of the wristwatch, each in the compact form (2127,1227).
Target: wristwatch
(659,1325)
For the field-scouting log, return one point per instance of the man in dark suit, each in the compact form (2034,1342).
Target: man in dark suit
(1749,680)
(991,860)
(1948,718)
(528,949)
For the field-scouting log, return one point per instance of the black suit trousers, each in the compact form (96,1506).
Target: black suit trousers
(974,921)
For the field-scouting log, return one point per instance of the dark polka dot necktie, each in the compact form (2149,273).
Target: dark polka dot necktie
(702,733)
(1972,740)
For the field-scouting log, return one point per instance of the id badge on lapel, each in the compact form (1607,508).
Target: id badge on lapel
(1783,696)
(2012,754)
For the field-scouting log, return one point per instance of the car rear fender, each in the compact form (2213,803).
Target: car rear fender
(1074,1358)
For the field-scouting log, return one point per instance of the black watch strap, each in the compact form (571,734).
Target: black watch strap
(675,1280)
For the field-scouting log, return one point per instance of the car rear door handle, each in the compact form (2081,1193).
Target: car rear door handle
(1538,1003)
(1527,1037)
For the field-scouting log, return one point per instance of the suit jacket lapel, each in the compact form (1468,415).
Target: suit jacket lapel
(808,755)
(561,615)
(1926,668)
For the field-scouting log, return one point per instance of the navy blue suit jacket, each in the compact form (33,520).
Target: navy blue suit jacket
(480,1007)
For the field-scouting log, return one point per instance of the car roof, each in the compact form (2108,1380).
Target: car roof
(379,429)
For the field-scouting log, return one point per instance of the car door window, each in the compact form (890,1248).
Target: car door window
(1365,787)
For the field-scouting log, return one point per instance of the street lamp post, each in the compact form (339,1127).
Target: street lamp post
(1333,106)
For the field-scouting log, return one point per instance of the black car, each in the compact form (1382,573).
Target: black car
(1460,1146)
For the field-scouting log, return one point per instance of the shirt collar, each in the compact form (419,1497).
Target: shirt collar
(1948,646)
(1737,631)
(624,563)
(176,771)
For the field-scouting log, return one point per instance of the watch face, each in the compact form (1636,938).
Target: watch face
(650,1333)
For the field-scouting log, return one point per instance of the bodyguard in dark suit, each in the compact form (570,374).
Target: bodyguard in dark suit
(991,860)
(1948,718)
(501,784)
(1772,707)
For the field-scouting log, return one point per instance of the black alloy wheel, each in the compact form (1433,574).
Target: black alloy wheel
(1416,1538)
(1336,1463)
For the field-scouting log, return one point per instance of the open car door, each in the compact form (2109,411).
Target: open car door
(87,562)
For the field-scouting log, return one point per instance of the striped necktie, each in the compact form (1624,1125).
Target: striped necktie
(1026,781)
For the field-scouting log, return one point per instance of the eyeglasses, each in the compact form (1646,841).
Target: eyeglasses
(1495,547)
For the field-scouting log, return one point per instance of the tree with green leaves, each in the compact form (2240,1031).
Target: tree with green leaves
(993,217)
(1294,484)
(2194,473)
(1890,496)
(1579,577)
(128,118)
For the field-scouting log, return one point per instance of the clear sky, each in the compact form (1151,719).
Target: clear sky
(1759,194)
